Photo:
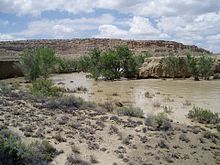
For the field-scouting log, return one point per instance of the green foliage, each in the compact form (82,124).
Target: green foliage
(193,66)
(216,76)
(83,64)
(203,115)
(110,65)
(159,122)
(114,63)
(172,64)
(94,63)
(44,87)
(205,66)
(37,62)
(130,111)
(14,152)
(66,65)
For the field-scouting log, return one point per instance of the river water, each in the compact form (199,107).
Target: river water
(179,96)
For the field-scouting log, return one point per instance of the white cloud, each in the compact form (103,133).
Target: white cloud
(137,7)
(110,31)
(64,28)
(139,28)
(142,26)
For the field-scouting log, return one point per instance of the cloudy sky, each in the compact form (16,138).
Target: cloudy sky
(187,21)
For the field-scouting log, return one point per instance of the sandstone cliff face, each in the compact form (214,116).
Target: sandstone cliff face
(154,68)
(79,47)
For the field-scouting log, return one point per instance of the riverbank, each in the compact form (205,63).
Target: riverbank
(92,134)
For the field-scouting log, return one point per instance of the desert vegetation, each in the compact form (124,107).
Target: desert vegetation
(203,115)
(110,64)
(14,151)
(190,65)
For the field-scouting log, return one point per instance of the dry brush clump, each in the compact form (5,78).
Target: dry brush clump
(130,111)
(67,102)
(158,122)
(14,152)
(204,116)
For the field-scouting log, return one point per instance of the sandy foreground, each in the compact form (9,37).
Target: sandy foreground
(105,138)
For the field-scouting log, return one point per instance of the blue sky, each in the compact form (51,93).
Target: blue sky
(187,21)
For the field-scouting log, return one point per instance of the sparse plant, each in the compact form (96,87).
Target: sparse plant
(75,160)
(12,150)
(108,106)
(130,111)
(93,159)
(67,102)
(159,122)
(45,87)
(203,115)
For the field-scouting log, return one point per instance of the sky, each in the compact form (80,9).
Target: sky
(192,22)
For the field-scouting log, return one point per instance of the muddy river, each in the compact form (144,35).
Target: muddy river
(151,95)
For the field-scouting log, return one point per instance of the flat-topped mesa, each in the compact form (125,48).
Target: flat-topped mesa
(78,47)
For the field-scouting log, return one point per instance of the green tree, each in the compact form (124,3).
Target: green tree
(205,66)
(183,66)
(193,66)
(47,60)
(37,62)
(110,65)
(172,64)
(94,64)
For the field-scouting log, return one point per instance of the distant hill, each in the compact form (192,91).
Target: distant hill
(78,47)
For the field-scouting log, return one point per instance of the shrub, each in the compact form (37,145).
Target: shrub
(67,102)
(216,76)
(75,160)
(158,122)
(44,87)
(14,151)
(130,111)
(37,62)
(203,115)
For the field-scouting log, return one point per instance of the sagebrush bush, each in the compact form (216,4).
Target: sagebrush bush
(158,122)
(130,111)
(14,152)
(204,116)
(44,87)
(66,102)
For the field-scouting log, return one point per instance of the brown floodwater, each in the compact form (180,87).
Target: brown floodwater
(178,96)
